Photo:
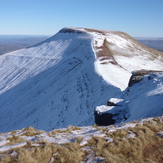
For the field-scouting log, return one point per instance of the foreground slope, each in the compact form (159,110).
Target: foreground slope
(138,141)
(60,81)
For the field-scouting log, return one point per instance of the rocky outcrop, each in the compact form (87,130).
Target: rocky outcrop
(71,30)
(103,119)
(138,75)
(102,115)
(112,104)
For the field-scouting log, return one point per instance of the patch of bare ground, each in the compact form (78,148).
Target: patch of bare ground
(104,54)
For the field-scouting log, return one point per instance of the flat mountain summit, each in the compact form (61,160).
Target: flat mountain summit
(60,81)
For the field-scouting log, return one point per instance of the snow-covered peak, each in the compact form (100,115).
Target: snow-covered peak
(68,75)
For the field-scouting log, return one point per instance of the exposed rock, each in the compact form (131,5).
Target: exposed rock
(71,30)
(138,75)
(103,119)
(112,104)
(104,115)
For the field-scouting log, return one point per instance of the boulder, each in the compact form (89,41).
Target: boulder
(103,119)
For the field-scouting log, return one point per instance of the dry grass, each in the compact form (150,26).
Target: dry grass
(70,152)
(56,132)
(73,128)
(117,134)
(6,159)
(30,131)
(145,147)
(68,130)
(14,140)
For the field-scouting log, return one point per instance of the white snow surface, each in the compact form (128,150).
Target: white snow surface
(44,85)
(9,147)
(113,74)
(144,99)
(60,81)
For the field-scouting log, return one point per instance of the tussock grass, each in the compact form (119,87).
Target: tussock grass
(79,139)
(95,126)
(66,153)
(145,147)
(69,152)
(30,131)
(14,140)
(73,128)
(156,119)
(68,130)
(35,155)
(57,131)
(6,159)
(117,134)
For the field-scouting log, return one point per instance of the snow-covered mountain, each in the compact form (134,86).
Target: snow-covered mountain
(60,81)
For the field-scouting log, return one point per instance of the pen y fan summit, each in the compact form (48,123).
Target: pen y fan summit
(60,81)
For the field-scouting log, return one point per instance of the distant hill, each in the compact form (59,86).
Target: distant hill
(155,43)
(10,43)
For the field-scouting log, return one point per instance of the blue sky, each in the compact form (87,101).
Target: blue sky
(138,18)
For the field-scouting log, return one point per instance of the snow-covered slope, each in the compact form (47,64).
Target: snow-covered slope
(51,85)
(145,99)
(125,54)
(142,100)
(60,81)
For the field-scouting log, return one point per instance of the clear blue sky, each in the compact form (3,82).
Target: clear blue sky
(142,18)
